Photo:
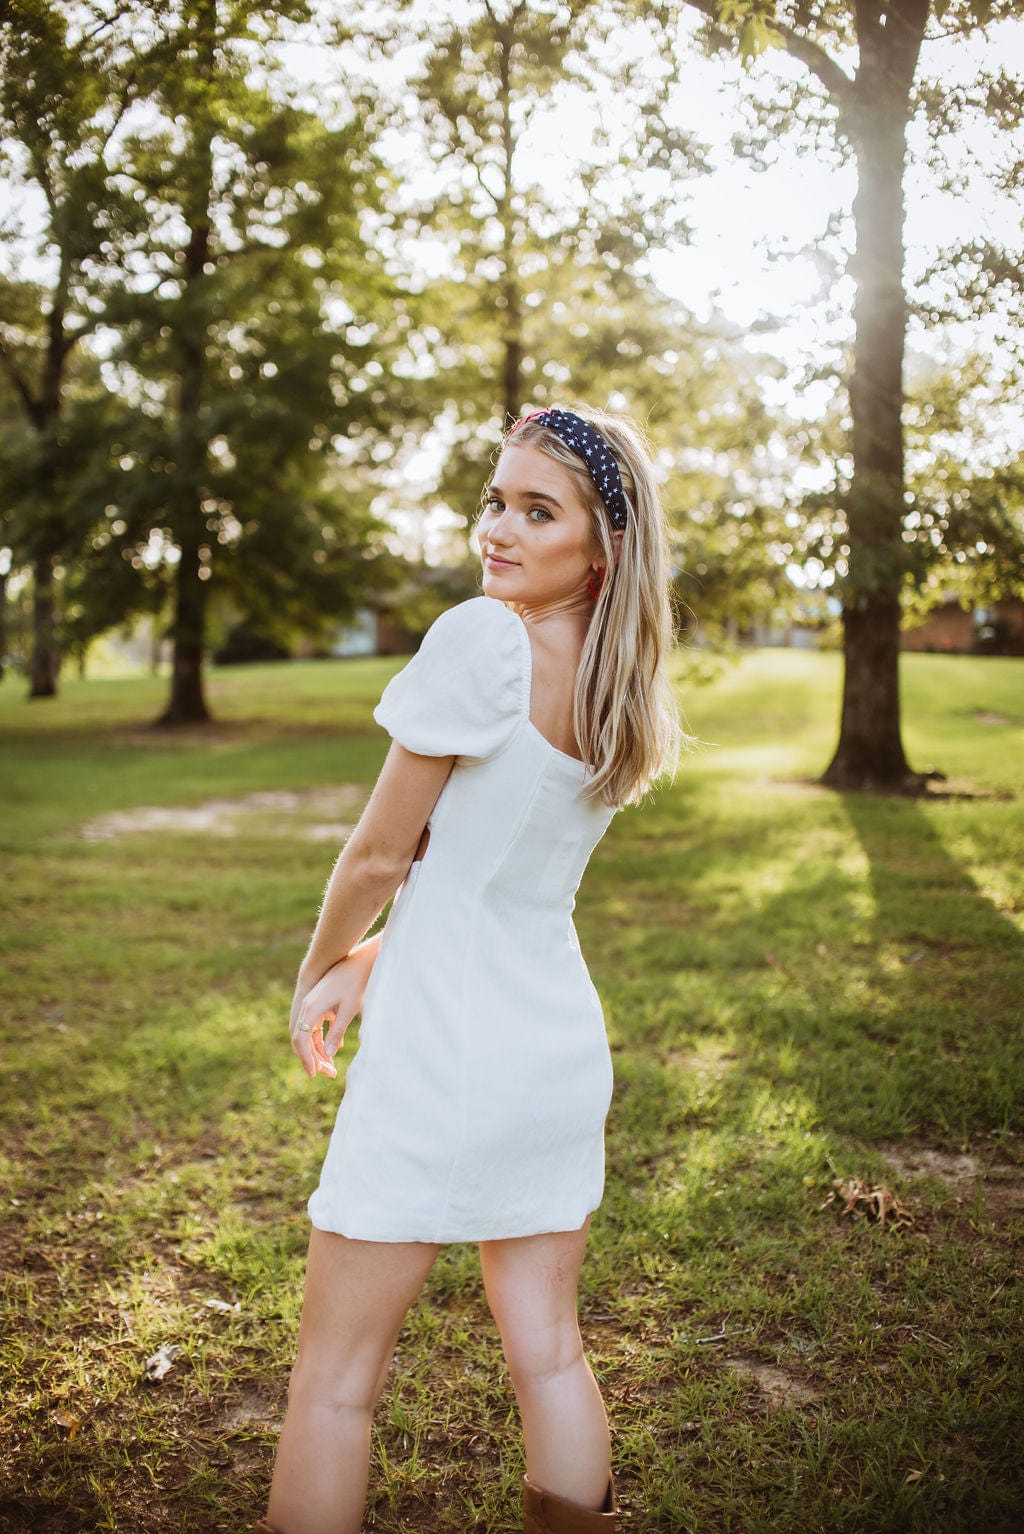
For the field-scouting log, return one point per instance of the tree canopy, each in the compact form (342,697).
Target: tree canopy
(241,323)
(860,87)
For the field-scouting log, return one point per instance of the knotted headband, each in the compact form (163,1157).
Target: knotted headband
(587,443)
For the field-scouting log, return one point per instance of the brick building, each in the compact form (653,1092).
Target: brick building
(953,629)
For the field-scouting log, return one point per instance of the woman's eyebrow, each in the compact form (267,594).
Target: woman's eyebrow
(524,495)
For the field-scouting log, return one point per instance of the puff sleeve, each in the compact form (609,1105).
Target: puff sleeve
(467,689)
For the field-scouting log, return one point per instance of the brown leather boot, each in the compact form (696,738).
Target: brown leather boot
(263,1527)
(544,1513)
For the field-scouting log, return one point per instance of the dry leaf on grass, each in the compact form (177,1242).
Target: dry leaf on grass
(158,1365)
(877,1202)
(68,1423)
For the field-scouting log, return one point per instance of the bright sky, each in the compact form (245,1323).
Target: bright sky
(743,217)
(739,215)
(738,211)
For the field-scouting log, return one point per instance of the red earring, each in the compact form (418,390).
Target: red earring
(595,583)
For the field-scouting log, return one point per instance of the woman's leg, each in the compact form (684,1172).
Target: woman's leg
(357,1295)
(531,1289)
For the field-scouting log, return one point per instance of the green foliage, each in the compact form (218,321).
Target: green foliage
(247,346)
(967,516)
(62,99)
(965,529)
(221,354)
(216,237)
(546,295)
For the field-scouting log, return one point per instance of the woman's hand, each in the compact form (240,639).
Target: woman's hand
(335,999)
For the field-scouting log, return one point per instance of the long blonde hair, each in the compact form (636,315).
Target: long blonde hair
(624,716)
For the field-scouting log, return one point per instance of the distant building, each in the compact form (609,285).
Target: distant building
(951,628)
(358,636)
(373,631)
(398,620)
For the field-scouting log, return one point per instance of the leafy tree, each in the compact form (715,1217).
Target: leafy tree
(63,93)
(254,336)
(866,110)
(539,295)
(542,293)
(965,527)
(80,474)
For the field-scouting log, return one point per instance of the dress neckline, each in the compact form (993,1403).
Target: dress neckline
(577,761)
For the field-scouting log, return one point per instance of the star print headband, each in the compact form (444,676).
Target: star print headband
(587,443)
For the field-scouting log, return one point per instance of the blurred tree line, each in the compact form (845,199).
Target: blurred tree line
(239,329)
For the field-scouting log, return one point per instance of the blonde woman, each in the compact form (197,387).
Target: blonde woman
(474,1108)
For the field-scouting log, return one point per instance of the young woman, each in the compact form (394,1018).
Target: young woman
(474,1109)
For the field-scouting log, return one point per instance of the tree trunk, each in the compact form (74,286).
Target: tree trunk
(3,623)
(512,359)
(44,661)
(870,750)
(43,411)
(187,701)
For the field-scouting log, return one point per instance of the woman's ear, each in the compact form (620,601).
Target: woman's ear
(600,558)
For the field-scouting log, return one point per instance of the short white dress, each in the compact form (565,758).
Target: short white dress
(474,1108)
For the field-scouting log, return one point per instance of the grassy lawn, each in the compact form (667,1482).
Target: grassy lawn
(800,987)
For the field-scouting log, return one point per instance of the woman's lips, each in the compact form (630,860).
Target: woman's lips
(495,562)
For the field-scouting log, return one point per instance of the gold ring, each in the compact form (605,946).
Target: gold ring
(306,1027)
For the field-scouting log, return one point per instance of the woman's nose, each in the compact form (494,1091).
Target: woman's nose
(499,529)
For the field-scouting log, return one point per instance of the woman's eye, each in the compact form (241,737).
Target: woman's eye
(491,505)
(540,514)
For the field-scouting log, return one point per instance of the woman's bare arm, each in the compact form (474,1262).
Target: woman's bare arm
(374,862)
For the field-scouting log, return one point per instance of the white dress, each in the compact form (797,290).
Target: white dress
(474,1108)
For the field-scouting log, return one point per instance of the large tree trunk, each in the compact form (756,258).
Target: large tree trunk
(44,661)
(870,750)
(187,702)
(43,410)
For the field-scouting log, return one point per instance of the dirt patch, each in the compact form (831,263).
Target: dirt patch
(780,1389)
(999,1183)
(983,716)
(1002,1188)
(959,1171)
(252,1410)
(313,814)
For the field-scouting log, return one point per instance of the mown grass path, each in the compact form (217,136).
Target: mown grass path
(799,987)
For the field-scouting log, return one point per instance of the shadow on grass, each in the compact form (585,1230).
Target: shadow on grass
(874,978)
(951,967)
(778,1010)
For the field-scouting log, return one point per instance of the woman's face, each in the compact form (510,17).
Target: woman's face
(535,534)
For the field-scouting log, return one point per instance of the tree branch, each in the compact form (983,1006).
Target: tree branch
(22,389)
(125,100)
(811,54)
(835,80)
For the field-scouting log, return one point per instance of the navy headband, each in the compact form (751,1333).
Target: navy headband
(587,443)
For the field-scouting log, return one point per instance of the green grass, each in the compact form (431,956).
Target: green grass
(798,985)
